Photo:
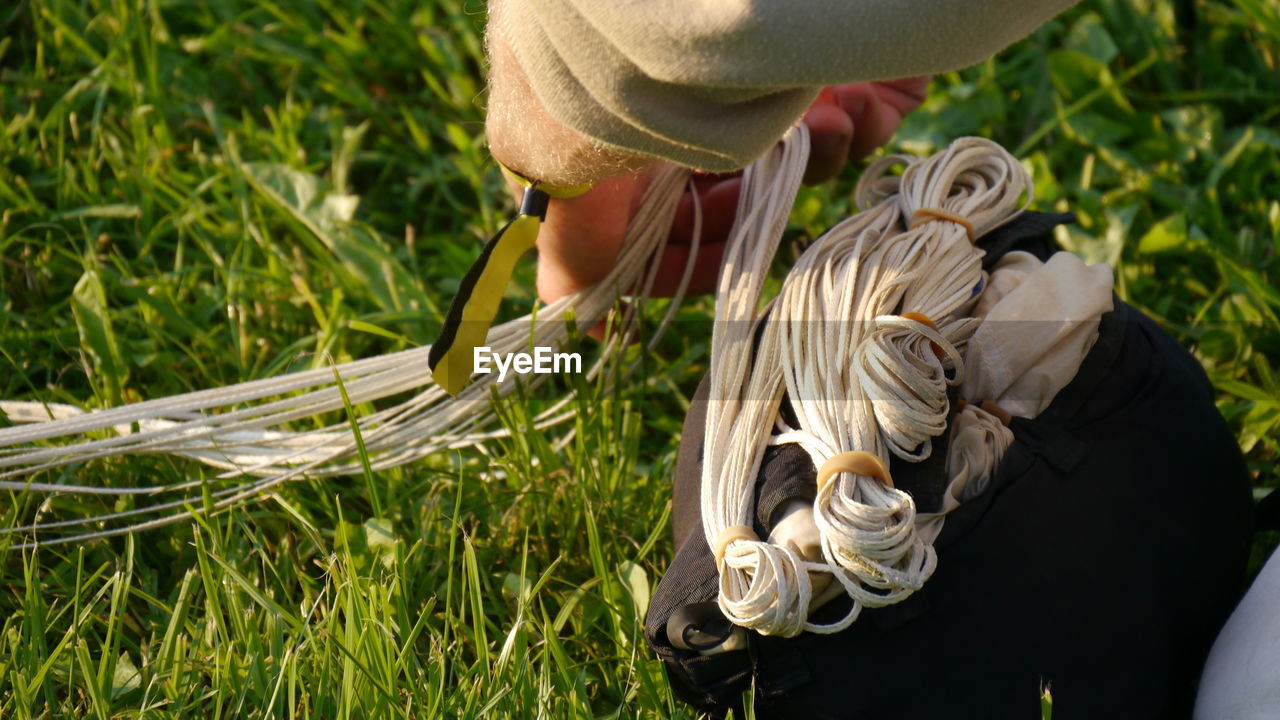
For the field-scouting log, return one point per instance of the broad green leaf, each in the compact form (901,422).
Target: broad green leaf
(1090,36)
(637,583)
(352,538)
(1097,130)
(89,305)
(380,536)
(519,588)
(339,208)
(1168,234)
(126,677)
(1107,248)
(1195,126)
(1043,177)
(1076,75)
(367,266)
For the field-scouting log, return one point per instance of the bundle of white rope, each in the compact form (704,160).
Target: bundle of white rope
(251,444)
(862,339)
(863,375)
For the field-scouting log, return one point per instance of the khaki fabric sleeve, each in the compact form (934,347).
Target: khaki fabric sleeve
(712,84)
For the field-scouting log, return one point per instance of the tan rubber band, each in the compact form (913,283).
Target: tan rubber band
(920,318)
(924,215)
(924,320)
(856,462)
(1000,413)
(730,534)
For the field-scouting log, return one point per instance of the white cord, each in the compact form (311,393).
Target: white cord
(859,376)
(861,373)
(761,585)
(255,454)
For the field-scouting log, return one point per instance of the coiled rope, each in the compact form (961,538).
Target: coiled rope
(862,340)
(864,376)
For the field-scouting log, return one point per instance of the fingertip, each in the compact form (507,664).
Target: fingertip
(876,125)
(706,269)
(719,209)
(877,110)
(597,331)
(719,205)
(852,98)
(831,131)
(906,94)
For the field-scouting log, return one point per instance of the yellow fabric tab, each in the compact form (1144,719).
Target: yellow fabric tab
(452,355)
(559,192)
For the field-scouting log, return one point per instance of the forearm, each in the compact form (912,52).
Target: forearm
(711,85)
(525,138)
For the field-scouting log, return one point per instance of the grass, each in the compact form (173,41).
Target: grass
(146,149)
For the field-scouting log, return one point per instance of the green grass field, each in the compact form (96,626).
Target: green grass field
(139,258)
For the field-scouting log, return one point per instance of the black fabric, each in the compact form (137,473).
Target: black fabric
(1029,232)
(1101,561)
(1269,511)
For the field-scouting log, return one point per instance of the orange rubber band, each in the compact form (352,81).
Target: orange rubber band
(924,320)
(729,535)
(924,215)
(1004,416)
(921,318)
(857,462)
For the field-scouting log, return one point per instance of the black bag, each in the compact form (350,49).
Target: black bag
(1103,558)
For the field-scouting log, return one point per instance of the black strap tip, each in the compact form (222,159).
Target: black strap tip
(535,202)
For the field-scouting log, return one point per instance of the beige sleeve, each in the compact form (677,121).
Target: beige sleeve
(712,84)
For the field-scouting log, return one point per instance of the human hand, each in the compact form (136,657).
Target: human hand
(581,239)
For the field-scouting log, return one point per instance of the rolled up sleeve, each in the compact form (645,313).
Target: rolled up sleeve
(713,84)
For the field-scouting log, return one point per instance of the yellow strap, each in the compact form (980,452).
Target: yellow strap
(466,326)
(559,192)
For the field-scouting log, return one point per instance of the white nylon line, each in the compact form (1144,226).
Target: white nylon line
(859,376)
